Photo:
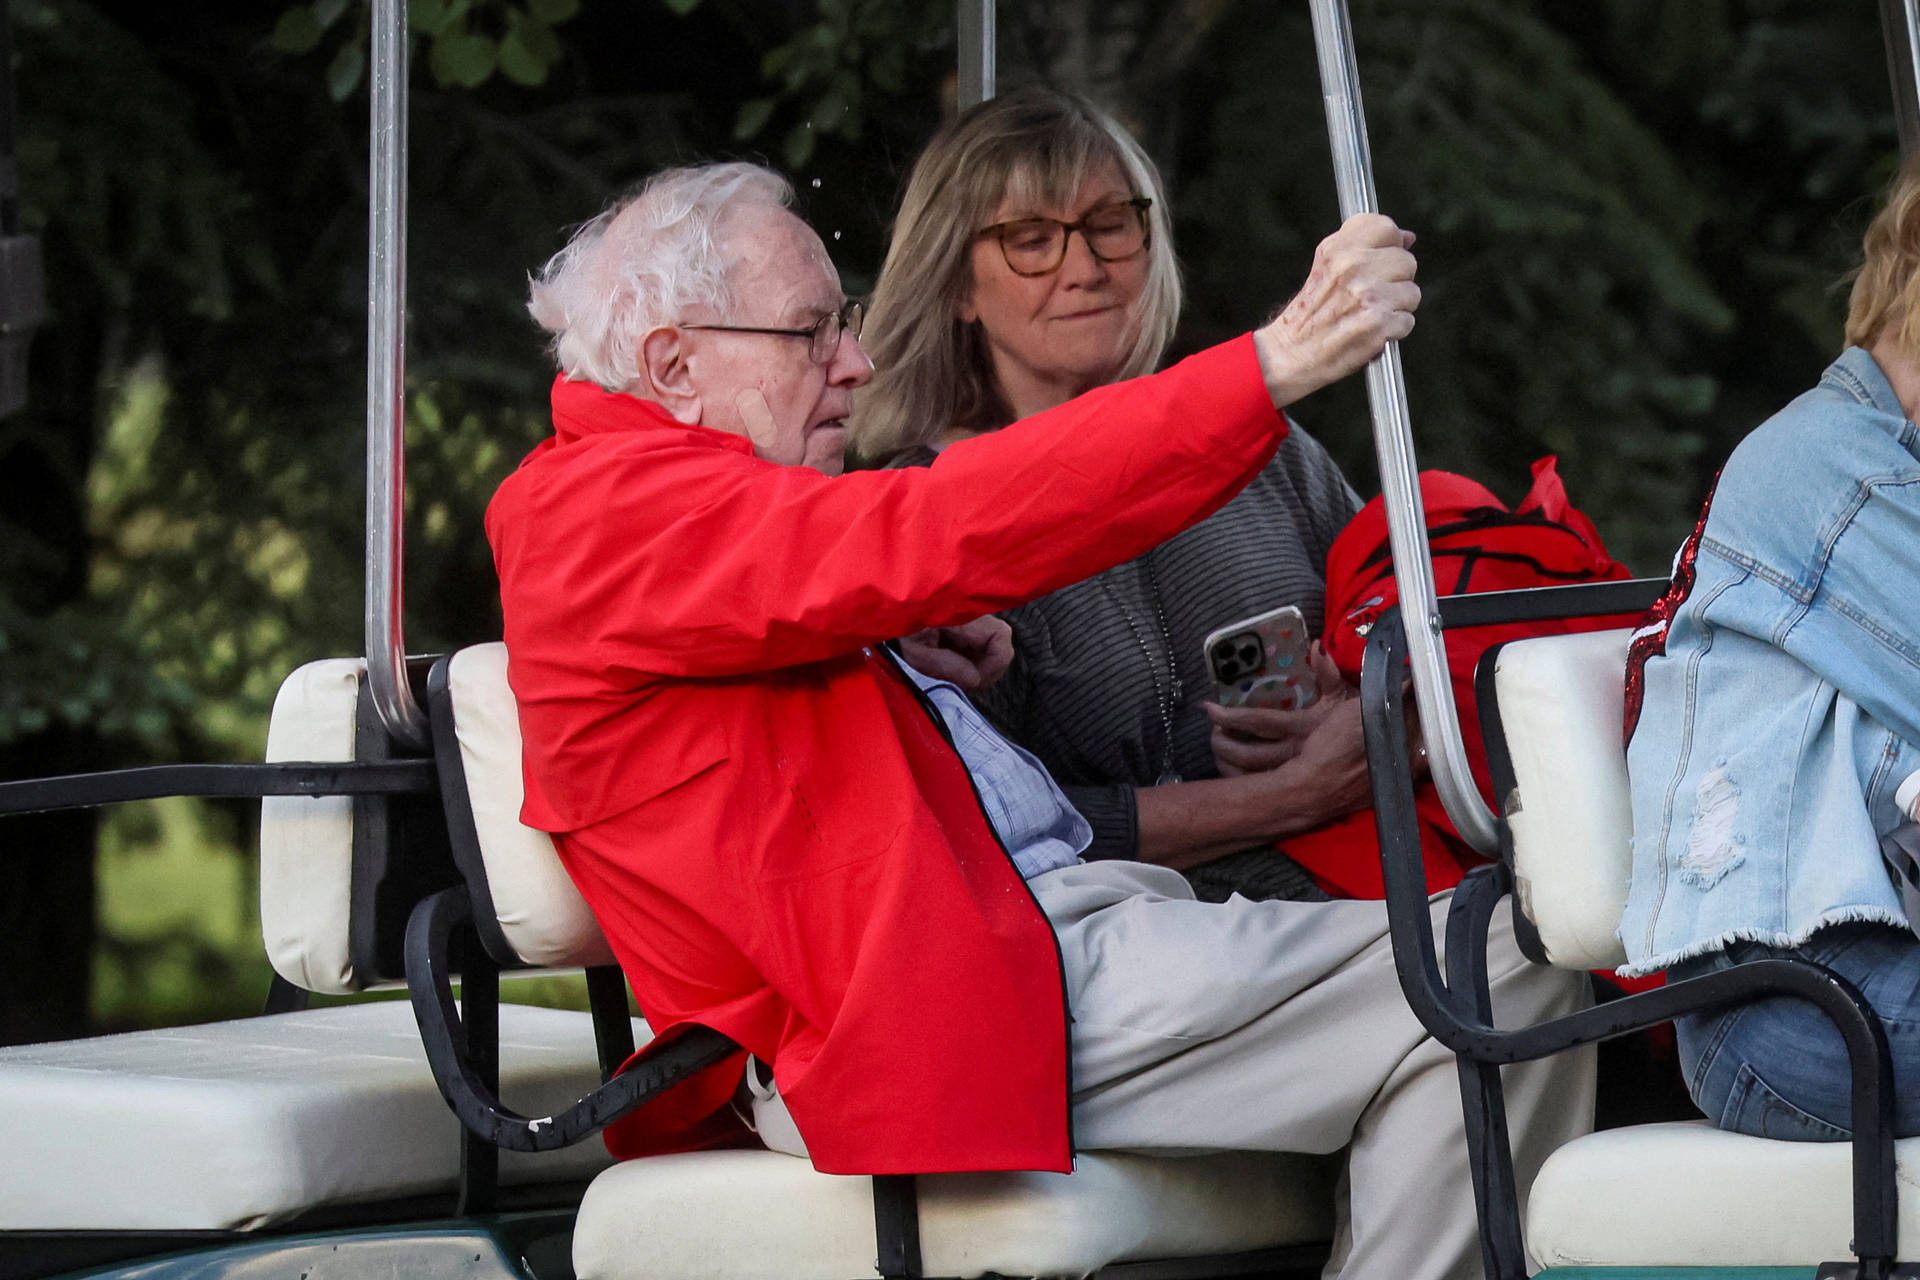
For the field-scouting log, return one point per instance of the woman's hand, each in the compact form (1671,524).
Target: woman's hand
(1359,296)
(1282,773)
(1328,779)
(1253,739)
(972,655)
(1186,823)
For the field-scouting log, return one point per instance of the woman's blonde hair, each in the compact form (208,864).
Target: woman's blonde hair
(1036,146)
(1886,288)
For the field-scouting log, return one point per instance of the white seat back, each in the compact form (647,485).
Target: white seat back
(543,917)
(1561,704)
(306,843)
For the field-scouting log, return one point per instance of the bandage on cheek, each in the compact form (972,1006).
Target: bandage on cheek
(757,416)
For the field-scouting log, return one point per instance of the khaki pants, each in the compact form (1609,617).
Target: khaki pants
(1280,1026)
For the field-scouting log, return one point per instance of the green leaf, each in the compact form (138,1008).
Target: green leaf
(297,32)
(753,117)
(327,12)
(343,73)
(552,12)
(463,59)
(432,17)
(519,63)
(683,7)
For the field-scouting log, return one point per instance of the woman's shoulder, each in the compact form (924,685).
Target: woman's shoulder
(1845,432)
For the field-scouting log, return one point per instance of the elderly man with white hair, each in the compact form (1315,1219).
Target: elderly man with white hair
(793,838)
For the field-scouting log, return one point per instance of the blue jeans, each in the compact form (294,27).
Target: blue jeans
(1777,1068)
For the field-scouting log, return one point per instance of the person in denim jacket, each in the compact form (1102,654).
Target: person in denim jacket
(1774,709)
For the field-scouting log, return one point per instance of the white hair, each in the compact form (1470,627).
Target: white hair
(642,264)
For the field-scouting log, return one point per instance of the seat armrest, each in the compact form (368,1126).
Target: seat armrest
(431,933)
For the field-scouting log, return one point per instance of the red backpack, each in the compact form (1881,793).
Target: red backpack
(1477,545)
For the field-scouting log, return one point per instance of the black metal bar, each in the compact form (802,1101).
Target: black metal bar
(1545,604)
(896,1226)
(1284,1262)
(285,997)
(456,801)
(1493,738)
(612,1028)
(1459,1028)
(429,977)
(480,1038)
(279,778)
(1496,1191)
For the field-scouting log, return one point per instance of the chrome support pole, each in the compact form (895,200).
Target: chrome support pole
(1900,23)
(974,21)
(1393,443)
(386,376)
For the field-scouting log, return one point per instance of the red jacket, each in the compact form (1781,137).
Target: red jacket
(774,833)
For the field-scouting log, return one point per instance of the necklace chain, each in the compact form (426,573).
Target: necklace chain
(1169,701)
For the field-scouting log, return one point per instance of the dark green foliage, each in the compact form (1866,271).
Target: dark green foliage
(465,41)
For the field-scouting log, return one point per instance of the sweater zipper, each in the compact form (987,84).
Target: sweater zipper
(1059,958)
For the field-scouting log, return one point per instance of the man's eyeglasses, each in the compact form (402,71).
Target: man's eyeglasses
(1037,246)
(823,335)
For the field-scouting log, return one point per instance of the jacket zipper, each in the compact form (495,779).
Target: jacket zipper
(1059,958)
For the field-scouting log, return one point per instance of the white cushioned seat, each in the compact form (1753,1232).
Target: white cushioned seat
(1660,1195)
(544,918)
(757,1215)
(1687,1194)
(1561,701)
(237,1125)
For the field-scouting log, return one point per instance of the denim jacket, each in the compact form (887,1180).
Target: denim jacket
(1783,708)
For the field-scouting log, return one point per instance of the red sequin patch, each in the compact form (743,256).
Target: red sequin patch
(1651,638)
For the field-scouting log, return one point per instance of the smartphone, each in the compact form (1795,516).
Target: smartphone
(1263,661)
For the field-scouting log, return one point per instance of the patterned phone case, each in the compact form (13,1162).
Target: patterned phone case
(1263,661)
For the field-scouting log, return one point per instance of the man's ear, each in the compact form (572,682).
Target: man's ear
(964,310)
(663,365)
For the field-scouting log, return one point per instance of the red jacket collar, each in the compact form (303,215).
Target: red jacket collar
(582,409)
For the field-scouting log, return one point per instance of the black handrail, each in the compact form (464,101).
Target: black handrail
(430,975)
(1457,1018)
(250,781)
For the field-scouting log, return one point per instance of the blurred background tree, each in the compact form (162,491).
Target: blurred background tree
(1632,215)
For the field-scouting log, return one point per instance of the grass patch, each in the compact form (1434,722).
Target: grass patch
(179,922)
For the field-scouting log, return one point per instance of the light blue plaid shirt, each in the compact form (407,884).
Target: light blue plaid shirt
(1034,819)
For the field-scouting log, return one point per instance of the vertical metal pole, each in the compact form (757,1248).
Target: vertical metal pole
(973,20)
(386,376)
(1900,23)
(1393,442)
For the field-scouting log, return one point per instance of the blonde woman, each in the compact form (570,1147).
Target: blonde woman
(1776,715)
(1032,260)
